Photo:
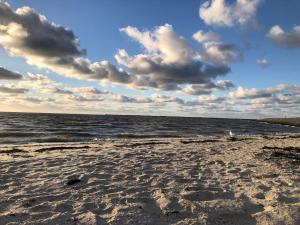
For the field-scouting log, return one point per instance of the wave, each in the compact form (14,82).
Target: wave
(29,128)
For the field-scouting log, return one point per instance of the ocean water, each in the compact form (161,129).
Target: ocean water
(36,128)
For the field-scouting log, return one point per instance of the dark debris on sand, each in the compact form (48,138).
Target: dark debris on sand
(73,181)
(199,141)
(286,152)
(281,155)
(143,144)
(12,151)
(41,150)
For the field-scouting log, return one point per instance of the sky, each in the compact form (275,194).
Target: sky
(211,58)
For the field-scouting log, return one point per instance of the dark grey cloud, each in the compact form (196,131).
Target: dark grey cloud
(151,71)
(12,90)
(89,91)
(97,91)
(221,54)
(76,64)
(38,100)
(9,75)
(80,98)
(209,101)
(127,99)
(57,90)
(33,100)
(43,38)
(30,35)
(208,88)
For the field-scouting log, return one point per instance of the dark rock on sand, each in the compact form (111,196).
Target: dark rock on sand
(73,181)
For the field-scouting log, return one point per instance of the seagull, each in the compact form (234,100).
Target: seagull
(231,134)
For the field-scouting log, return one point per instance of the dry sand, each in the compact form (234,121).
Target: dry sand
(249,180)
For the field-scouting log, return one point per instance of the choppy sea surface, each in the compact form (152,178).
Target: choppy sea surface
(37,128)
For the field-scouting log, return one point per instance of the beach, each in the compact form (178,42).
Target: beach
(242,180)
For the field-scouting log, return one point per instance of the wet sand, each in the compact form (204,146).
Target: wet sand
(247,180)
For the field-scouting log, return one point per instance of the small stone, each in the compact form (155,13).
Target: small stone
(73,181)
(259,196)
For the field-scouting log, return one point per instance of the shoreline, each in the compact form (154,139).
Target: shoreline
(196,137)
(245,180)
(292,122)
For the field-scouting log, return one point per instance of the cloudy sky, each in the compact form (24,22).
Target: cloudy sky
(217,58)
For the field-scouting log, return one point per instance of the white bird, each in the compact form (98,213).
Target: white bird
(231,134)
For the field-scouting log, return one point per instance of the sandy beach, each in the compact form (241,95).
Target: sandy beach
(247,180)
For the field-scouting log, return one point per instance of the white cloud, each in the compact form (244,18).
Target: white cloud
(242,93)
(164,41)
(281,90)
(39,92)
(219,13)
(285,39)
(206,89)
(210,99)
(200,36)
(263,63)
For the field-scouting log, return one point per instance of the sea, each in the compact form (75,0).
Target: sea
(42,128)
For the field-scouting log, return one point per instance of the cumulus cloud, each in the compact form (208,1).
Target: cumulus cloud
(210,99)
(168,62)
(285,39)
(9,75)
(164,41)
(35,90)
(25,33)
(222,54)
(283,90)
(272,102)
(45,88)
(219,13)
(41,83)
(200,36)
(205,89)
(242,93)
(263,63)
(251,102)
(208,102)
